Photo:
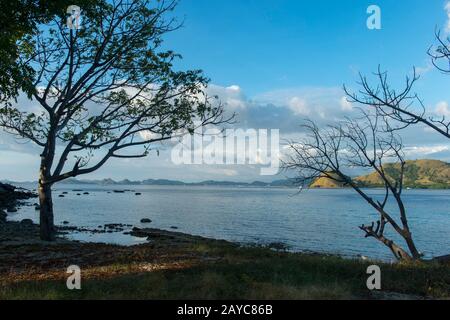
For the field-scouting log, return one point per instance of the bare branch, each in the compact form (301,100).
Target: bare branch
(359,143)
(404,106)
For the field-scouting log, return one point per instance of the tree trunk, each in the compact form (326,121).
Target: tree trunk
(398,251)
(47,228)
(412,246)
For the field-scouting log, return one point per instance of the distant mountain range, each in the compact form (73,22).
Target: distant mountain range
(164,182)
(419,174)
(423,174)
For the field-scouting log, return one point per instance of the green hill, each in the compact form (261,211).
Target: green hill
(327,183)
(428,174)
(421,174)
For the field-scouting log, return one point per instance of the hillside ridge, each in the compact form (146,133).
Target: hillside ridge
(419,174)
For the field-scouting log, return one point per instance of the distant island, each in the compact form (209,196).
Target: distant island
(419,174)
(164,182)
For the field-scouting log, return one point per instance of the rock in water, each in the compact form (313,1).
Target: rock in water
(11,196)
(26,222)
(146,220)
(6,188)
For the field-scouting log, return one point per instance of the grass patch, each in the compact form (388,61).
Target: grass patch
(225,271)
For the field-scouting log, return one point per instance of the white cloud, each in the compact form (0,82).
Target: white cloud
(229,172)
(443,109)
(298,106)
(231,96)
(447,9)
(283,109)
(148,135)
(280,109)
(424,69)
(315,102)
(345,104)
(234,88)
(425,150)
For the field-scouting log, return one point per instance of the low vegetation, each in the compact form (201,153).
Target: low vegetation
(422,174)
(177,266)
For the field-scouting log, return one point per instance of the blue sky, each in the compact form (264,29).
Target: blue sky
(264,45)
(276,62)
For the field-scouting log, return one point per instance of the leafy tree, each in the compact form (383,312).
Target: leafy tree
(107,90)
(19,19)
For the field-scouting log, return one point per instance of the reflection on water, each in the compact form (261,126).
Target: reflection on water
(317,220)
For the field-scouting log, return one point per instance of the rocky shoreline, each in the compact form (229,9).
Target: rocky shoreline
(23,256)
(11,198)
(26,232)
(171,259)
(173,255)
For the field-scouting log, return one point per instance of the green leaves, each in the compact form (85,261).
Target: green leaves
(106,87)
(19,20)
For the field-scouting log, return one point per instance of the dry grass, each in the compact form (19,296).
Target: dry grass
(195,268)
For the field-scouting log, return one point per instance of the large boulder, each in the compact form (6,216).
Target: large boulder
(26,222)
(6,188)
(11,196)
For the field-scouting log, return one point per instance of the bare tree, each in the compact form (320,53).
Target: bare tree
(360,143)
(404,105)
(440,53)
(105,91)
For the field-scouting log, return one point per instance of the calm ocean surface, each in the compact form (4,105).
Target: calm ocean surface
(317,220)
